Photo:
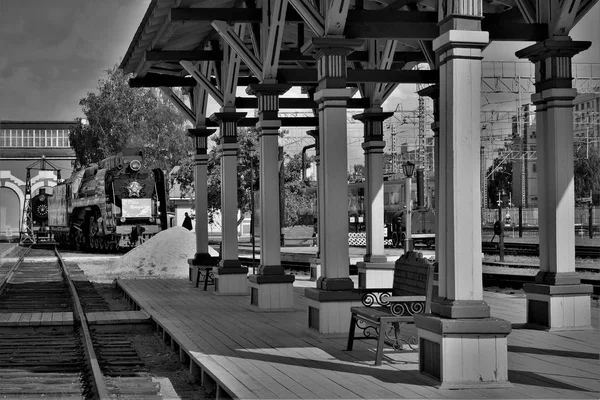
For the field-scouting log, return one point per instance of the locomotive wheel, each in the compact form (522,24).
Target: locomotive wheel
(79,241)
(402,239)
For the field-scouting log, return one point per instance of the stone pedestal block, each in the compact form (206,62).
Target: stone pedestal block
(464,353)
(558,307)
(231,280)
(329,311)
(375,275)
(272,292)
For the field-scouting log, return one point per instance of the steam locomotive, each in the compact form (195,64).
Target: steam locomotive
(114,204)
(39,215)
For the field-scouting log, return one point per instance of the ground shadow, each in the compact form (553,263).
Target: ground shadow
(553,352)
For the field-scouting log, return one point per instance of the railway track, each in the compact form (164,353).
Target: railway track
(47,347)
(533,249)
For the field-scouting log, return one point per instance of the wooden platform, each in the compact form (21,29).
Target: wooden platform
(252,354)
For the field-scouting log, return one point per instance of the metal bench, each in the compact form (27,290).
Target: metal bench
(387,310)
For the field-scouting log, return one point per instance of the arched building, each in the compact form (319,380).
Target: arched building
(24,144)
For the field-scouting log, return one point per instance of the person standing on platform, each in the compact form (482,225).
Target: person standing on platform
(187,222)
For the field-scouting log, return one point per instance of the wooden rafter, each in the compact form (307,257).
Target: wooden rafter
(201,79)
(527,9)
(238,46)
(563,16)
(284,55)
(177,102)
(232,69)
(310,15)
(200,96)
(335,17)
(273,21)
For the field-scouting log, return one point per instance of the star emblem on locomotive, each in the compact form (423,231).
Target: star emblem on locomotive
(134,189)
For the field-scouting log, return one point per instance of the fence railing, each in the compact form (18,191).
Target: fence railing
(530,216)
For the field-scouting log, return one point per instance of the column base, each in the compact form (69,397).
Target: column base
(375,275)
(329,311)
(558,307)
(272,292)
(231,280)
(481,344)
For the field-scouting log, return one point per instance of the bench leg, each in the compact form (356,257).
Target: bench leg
(380,342)
(198,277)
(398,343)
(206,280)
(351,332)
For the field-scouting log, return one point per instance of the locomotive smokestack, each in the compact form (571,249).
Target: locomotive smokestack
(420,189)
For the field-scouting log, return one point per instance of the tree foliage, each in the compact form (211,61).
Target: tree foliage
(586,172)
(119,116)
(248,170)
(499,181)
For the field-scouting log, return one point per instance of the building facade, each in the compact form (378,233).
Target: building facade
(43,147)
(523,149)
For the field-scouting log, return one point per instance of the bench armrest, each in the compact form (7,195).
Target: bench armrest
(407,305)
(374,297)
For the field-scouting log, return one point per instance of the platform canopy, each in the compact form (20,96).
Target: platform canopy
(176,30)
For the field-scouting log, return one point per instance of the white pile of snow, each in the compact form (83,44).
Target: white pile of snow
(165,254)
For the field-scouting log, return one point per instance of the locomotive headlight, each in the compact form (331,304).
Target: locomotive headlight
(123,219)
(151,219)
(135,165)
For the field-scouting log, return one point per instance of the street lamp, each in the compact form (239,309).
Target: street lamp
(409,169)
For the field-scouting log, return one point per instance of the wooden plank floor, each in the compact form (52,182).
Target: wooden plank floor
(253,354)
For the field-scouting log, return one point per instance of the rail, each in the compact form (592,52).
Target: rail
(97,379)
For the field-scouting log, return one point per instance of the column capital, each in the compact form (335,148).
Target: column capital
(228,123)
(200,136)
(267,89)
(330,53)
(221,117)
(431,91)
(552,60)
(553,48)
(372,116)
(331,45)
(373,124)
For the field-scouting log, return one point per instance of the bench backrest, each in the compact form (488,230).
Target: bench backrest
(413,276)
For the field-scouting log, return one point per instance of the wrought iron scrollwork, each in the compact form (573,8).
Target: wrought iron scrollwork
(397,340)
(407,308)
(211,276)
(376,299)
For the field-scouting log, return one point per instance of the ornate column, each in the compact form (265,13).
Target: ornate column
(230,276)
(329,304)
(202,256)
(557,300)
(271,288)
(460,327)
(375,271)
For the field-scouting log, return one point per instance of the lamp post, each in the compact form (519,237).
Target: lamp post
(409,169)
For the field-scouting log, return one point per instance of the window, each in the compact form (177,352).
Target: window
(4,138)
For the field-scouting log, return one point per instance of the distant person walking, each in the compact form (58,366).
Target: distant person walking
(187,222)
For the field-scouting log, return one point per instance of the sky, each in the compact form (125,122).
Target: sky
(51,56)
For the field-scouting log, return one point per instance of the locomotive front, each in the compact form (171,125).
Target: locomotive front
(134,207)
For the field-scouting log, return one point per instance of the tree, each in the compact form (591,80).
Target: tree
(500,180)
(248,169)
(296,203)
(358,175)
(119,116)
(586,170)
